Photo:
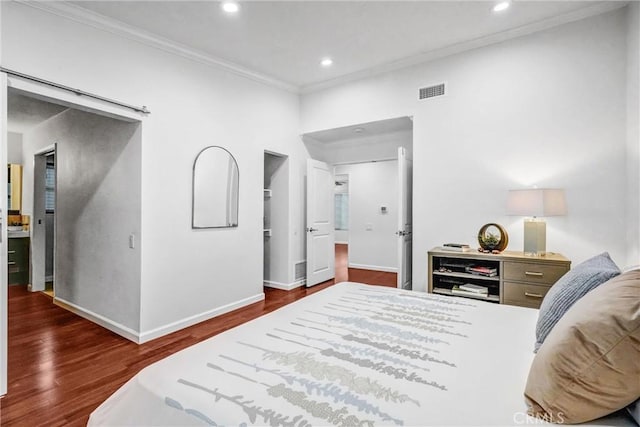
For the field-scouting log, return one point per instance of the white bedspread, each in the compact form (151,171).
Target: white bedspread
(349,355)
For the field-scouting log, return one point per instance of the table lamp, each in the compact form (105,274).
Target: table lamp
(535,203)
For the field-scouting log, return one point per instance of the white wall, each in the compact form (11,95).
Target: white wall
(547,109)
(97,207)
(187,275)
(342,236)
(372,185)
(14,148)
(633,135)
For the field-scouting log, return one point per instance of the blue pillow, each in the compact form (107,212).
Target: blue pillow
(569,289)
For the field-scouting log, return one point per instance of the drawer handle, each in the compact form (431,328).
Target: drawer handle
(533,273)
(11,263)
(528,294)
(11,252)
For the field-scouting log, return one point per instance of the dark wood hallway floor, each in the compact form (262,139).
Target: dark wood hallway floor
(344,273)
(61,366)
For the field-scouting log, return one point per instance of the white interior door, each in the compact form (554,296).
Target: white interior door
(405,230)
(320,232)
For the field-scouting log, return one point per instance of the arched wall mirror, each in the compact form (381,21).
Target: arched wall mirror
(215,189)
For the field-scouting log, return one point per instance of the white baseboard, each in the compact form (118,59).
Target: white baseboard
(192,320)
(374,267)
(109,324)
(140,338)
(284,286)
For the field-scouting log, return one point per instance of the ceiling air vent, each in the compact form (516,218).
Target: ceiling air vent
(431,91)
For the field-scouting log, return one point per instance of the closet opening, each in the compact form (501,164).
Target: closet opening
(276,264)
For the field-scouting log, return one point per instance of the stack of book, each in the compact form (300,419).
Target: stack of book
(456,247)
(482,270)
(469,289)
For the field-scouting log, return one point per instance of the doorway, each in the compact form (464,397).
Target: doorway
(43,223)
(373,214)
(341,207)
(95,129)
(375,157)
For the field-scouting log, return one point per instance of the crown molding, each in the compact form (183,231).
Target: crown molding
(113,26)
(587,12)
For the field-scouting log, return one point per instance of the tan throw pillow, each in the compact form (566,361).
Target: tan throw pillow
(589,364)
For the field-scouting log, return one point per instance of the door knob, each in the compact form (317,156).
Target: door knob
(311,229)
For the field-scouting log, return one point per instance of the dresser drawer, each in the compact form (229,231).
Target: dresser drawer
(532,272)
(524,295)
(11,256)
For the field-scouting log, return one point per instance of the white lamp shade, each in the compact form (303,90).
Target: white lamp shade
(537,202)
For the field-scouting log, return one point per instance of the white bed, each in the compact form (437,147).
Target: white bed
(351,354)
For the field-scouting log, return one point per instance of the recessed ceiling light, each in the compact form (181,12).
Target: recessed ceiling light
(230,6)
(326,62)
(499,7)
(358,130)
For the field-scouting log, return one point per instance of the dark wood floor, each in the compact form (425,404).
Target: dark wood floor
(61,366)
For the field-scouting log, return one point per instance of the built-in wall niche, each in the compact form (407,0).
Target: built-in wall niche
(276,220)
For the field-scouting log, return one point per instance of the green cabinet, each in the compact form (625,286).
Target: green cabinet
(18,260)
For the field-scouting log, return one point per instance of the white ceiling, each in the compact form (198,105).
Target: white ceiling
(285,40)
(24,113)
(361,130)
